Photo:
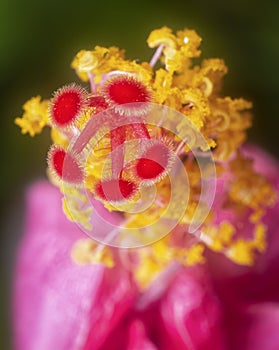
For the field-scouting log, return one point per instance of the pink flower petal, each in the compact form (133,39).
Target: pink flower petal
(58,304)
(138,339)
(190,314)
(264,162)
(256,328)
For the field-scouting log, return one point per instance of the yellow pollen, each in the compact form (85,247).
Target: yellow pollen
(85,251)
(35,116)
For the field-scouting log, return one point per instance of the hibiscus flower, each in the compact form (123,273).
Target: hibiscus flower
(159,228)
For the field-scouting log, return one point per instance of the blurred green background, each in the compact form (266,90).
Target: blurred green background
(38,40)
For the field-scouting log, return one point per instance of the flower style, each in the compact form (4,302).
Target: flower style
(119,157)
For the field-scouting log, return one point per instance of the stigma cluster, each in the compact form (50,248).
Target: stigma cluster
(113,172)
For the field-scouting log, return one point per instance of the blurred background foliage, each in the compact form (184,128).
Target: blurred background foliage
(38,40)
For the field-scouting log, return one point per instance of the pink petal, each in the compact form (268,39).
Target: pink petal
(138,339)
(114,301)
(191,317)
(58,304)
(256,328)
(264,162)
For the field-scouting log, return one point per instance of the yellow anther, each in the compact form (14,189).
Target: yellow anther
(35,116)
(85,251)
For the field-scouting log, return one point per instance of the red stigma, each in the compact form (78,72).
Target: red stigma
(153,163)
(57,158)
(126,89)
(64,165)
(115,190)
(148,169)
(67,104)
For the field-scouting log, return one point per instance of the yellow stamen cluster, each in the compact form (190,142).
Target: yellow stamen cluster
(154,259)
(249,188)
(103,60)
(224,238)
(35,116)
(76,207)
(85,251)
(174,80)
